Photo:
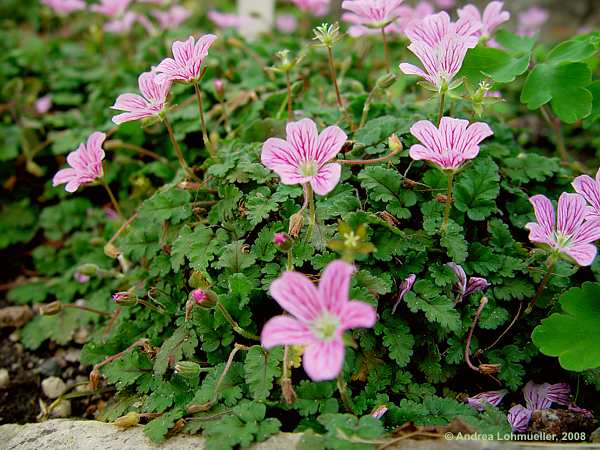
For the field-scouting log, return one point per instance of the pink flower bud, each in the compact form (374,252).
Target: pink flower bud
(199,296)
(219,86)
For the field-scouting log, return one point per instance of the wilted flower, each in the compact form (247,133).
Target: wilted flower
(315,7)
(43,104)
(171,18)
(151,103)
(286,23)
(531,20)
(319,317)
(467,287)
(589,188)
(492,17)
(304,157)
(111,8)
(63,7)
(85,162)
(567,234)
(519,417)
(449,146)
(372,13)
(405,286)
(188,57)
(479,401)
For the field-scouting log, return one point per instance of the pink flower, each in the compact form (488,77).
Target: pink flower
(149,104)
(279,239)
(409,16)
(445,4)
(590,190)
(123,24)
(304,157)
(449,146)
(319,317)
(171,18)
(85,162)
(111,8)
(378,412)
(519,417)
(226,20)
(479,401)
(372,13)
(43,104)
(492,17)
(286,23)
(568,233)
(81,278)
(541,396)
(199,296)
(63,7)
(531,20)
(405,286)
(188,57)
(464,286)
(433,28)
(315,7)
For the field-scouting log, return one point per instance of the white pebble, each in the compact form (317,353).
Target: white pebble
(62,409)
(53,387)
(4,379)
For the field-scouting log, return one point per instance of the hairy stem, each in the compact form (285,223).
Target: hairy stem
(312,217)
(207,141)
(448,201)
(343,389)
(386,51)
(334,81)
(117,143)
(112,197)
(442,107)
(357,162)
(482,304)
(555,125)
(289,97)
(239,330)
(177,149)
(88,309)
(550,268)
(287,388)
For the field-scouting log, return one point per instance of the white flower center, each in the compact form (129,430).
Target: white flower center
(324,328)
(562,240)
(308,168)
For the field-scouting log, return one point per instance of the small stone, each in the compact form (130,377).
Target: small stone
(62,409)
(50,368)
(4,379)
(53,387)
(81,335)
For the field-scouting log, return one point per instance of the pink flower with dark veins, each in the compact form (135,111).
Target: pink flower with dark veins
(492,17)
(318,318)
(405,286)
(410,16)
(85,162)
(566,233)
(188,57)
(479,401)
(372,13)
(171,18)
(315,7)
(589,188)
(124,23)
(464,286)
(450,146)
(64,7)
(519,417)
(433,28)
(304,157)
(150,104)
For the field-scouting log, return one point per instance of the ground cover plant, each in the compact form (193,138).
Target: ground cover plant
(337,228)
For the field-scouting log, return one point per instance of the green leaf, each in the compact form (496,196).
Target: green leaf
(235,257)
(172,204)
(157,429)
(438,308)
(398,339)
(196,246)
(260,370)
(258,206)
(379,129)
(384,185)
(502,67)
(477,188)
(182,342)
(513,42)
(454,242)
(574,334)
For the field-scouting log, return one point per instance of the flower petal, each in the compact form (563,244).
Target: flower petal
(303,136)
(583,254)
(570,213)
(519,417)
(324,360)
(329,144)
(536,396)
(589,189)
(284,330)
(326,178)
(64,176)
(357,314)
(544,213)
(297,295)
(334,286)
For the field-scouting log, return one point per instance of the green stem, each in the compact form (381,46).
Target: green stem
(550,265)
(334,81)
(88,309)
(290,264)
(289,97)
(113,199)
(386,50)
(448,201)
(207,141)
(177,149)
(239,330)
(442,106)
(343,389)
(367,107)
(555,125)
(312,217)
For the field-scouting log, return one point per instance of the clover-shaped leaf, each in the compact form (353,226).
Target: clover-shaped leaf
(574,335)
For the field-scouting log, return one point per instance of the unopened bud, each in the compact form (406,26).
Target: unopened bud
(282,241)
(81,278)
(385,81)
(409,183)
(123,298)
(204,298)
(296,224)
(441,198)
(131,419)
(192,409)
(88,269)
(490,369)
(379,411)
(94,379)
(111,251)
(219,87)
(51,309)
(187,369)
(394,143)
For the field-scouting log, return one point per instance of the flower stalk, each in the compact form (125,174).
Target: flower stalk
(312,215)
(343,390)
(386,50)
(177,149)
(112,197)
(549,271)
(207,142)
(482,304)
(448,201)
(234,325)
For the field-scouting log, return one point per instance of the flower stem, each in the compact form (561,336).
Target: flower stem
(448,201)
(550,264)
(357,162)
(207,141)
(88,309)
(442,107)
(177,149)
(312,218)
(334,81)
(239,330)
(555,125)
(386,50)
(482,304)
(367,107)
(343,389)
(113,199)
(287,388)
(289,97)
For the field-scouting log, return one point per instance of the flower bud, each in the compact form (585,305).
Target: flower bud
(490,369)
(204,298)
(88,269)
(124,298)
(199,280)
(111,250)
(385,81)
(219,88)
(441,198)
(131,419)
(296,224)
(379,411)
(394,143)
(81,277)
(187,369)
(51,309)
(282,241)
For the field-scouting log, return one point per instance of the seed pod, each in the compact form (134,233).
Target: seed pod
(131,419)
(187,369)
(296,224)
(51,309)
